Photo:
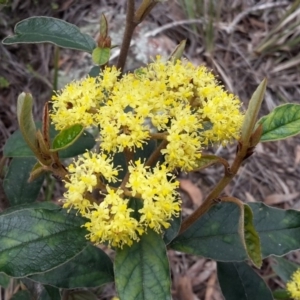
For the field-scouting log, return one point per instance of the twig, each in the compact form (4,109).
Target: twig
(129,29)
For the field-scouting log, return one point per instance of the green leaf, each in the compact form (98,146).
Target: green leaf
(142,270)
(278,229)
(239,281)
(251,238)
(67,137)
(101,56)
(51,30)
(90,268)
(136,204)
(252,111)
(49,293)
(81,295)
(95,71)
(34,239)
(22,295)
(143,154)
(215,235)
(26,122)
(173,230)
(103,27)
(284,268)
(119,160)
(17,147)
(35,205)
(281,123)
(281,294)
(4,280)
(16,186)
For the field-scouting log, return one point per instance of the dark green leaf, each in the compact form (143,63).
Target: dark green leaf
(34,239)
(284,268)
(95,71)
(281,294)
(51,30)
(251,238)
(173,230)
(16,186)
(22,295)
(217,230)
(67,137)
(135,204)
(4,280)
(35,205)
(239,281)
(142,270)
(16,146)
(119,160)
(49,293)
(101,56)
(278,229)
(90,268)
(281,123)
(215,235)
(146,151)
(143,154)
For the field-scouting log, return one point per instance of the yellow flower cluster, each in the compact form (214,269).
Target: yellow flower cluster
(293,286)
(176,103)
(182,102)
(84,176)
(158,191)
(111,220)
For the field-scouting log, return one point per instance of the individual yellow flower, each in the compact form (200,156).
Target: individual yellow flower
(293,286)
